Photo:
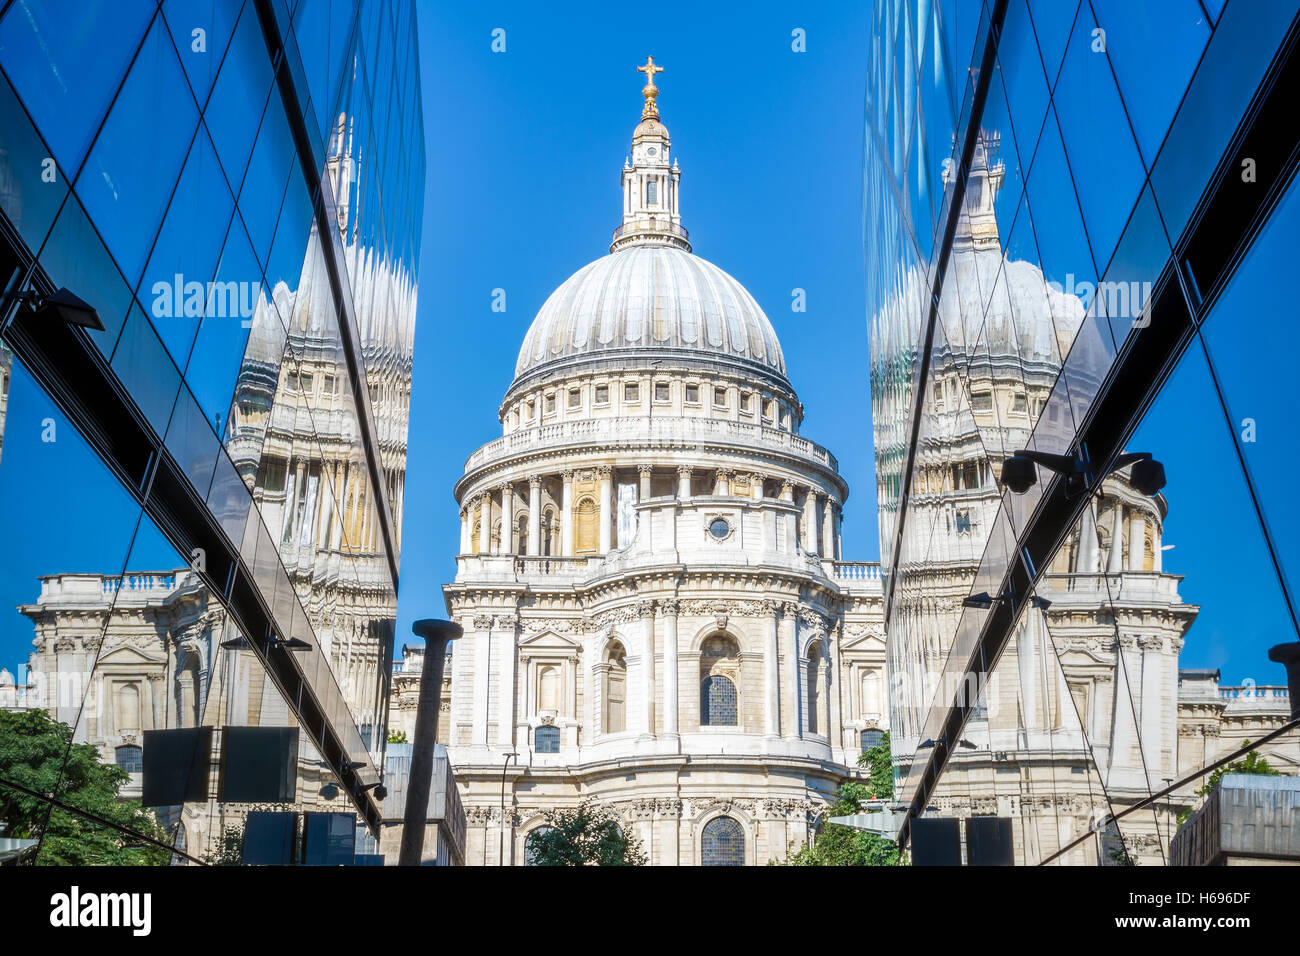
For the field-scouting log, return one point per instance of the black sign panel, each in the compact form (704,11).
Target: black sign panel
(988,842)
(936,841)
(259,764)
(176,766)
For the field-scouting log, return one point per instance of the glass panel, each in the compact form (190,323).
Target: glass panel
(29,200)
(239,96)
(74,257)
(1256,386)
(1154,47)
(1108,173)
(1243,45)
(66,59)
(184,259)
(133,166)
(201,30)
(232,307)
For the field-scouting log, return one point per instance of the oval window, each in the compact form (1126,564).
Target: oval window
(719,528)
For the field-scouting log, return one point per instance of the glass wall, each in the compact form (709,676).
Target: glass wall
(1000,303)
(243,219)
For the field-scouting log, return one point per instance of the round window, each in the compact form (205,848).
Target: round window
(651,151)
(719,528)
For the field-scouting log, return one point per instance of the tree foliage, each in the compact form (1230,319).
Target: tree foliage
(835,845)
(32,748)
(397,737)
(586,835)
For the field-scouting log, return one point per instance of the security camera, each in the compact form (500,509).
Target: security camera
(1019,474)
(1148,476)
(381,792)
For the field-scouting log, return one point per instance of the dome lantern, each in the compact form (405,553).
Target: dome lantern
(650,180)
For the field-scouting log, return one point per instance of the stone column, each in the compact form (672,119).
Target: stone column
(771,672)
(507,518)
(809,542)
(566,514)
(756,486)
(647,611)
(1086,562)
(1115,560)
(790,641)
(1136,540)
(465,527)
(504,628)
(684,482)
(669,609)
(485,524)
(644,471)
(605,474)
(828,529)
(482,647)
(535,515)
(723,486)
(1153,709)
(834,687)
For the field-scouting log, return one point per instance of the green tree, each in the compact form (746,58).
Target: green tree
(879,762)
(397,737)
(587,835)
(32,748)
(835,845)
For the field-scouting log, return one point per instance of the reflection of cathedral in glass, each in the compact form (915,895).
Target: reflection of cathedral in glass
(1047,743)
(289,427)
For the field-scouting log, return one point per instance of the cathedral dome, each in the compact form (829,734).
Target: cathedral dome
(652,300)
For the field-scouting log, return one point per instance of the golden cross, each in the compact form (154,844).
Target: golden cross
(650,70)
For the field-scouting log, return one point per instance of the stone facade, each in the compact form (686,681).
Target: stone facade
(655,614)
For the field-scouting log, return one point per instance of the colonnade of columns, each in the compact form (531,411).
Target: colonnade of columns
(653,635)
(819,526)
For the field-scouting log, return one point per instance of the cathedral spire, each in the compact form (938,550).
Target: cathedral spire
(650,179)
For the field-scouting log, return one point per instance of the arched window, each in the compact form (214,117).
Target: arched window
(871,738)
(475,536)
(719,671)
(723,843)
(814,683)
(546,740)
(586,526)
(530,851)
(130,759)
(615,695)
(717,702)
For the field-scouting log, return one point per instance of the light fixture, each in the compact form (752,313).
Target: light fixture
(1019,474)
(63,305)
(239,643)
(981,599)
(1039,602)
